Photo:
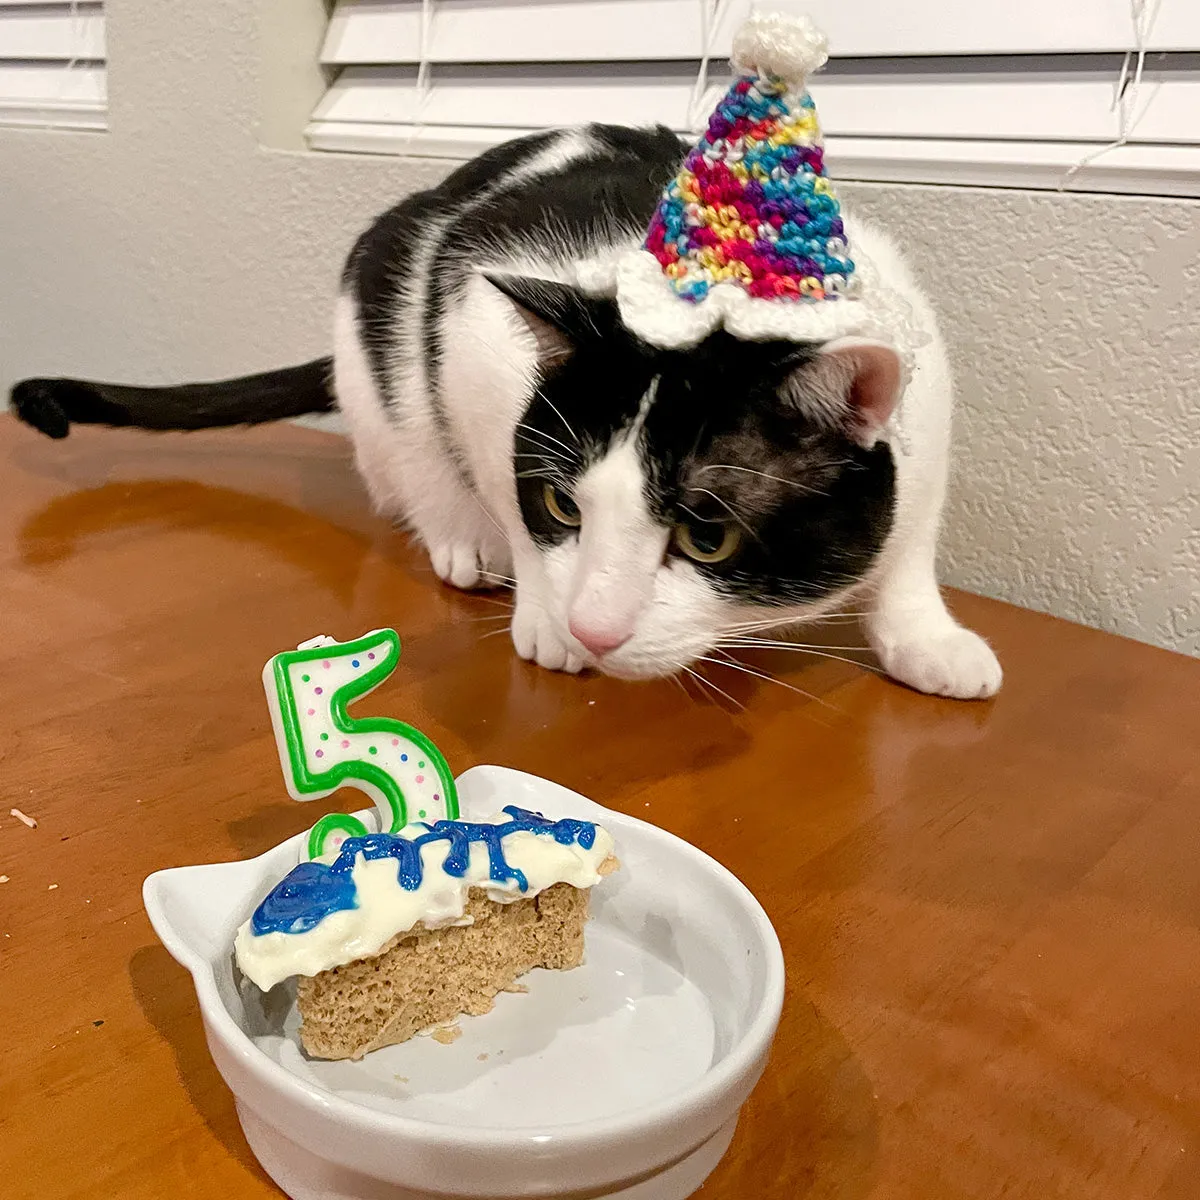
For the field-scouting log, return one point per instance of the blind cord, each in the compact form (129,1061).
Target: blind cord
(711,12)
(52,117)
(1128,88)
(424,85)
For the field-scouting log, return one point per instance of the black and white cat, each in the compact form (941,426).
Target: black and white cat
(648,503)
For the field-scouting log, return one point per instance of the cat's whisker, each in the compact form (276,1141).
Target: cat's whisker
(763,475)
(729,509)
(556,477)
(854,662)
(544,455)
(733,665)
(532,432)
(554,408)
(784,622)
(494,633)
(674,678)
(506,579)
(704,682)
(543,466)
(487,513)
(759,643)
(754,626)
(493,600)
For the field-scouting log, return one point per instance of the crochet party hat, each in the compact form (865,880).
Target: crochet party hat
(749,234)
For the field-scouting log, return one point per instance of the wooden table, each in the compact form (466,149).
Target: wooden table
(990,912)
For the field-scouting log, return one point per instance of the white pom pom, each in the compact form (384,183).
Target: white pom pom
(780,46)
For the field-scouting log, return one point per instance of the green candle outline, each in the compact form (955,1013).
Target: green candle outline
(354,772)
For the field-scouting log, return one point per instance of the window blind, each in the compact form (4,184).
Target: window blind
(52,64)
(927,91)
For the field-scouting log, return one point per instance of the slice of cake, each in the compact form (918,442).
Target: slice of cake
(403,931)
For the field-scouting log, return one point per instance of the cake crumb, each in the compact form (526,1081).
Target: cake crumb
(519,989)
(401,1078)
(52,887)
(3,878)
(446,1034)
(24,818)
(481,1057)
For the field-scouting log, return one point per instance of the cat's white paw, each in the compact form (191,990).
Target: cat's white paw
(948,661)
(467,566)
(536,640)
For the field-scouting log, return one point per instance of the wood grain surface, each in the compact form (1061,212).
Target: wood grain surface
(990,912)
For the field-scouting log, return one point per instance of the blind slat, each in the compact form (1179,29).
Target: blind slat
(51,31)
(51,83)
(371,31)
(1136,170)
(932,106)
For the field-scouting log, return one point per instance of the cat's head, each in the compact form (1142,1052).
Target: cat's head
(677,496)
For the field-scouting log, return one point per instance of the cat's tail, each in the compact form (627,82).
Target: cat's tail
(50,405)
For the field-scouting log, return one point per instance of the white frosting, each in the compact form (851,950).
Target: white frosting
(385,908)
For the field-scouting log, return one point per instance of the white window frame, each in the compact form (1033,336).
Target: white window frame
(1016,95)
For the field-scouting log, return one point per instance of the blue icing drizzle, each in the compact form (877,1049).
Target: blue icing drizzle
(304,898)
(312,891)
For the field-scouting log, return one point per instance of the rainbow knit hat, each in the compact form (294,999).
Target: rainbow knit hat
(749,234)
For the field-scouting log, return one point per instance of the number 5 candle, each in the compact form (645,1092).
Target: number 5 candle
(323,748)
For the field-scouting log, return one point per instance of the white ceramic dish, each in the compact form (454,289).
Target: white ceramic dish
(622,1078)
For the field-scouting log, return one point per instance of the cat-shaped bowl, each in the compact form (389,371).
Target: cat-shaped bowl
(621,1078)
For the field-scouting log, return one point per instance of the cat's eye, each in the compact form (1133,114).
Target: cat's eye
(707,541)
(561,507)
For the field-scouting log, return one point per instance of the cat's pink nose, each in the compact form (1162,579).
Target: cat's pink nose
(596,639)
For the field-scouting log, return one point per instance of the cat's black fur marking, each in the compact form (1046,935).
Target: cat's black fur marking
(721,443)
(51,405)
(379,266)
(614,187)
(382,257)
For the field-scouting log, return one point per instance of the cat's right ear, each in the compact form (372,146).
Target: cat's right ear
(559,316)
(850,384)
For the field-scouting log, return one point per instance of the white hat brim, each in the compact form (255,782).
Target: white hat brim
(653,311)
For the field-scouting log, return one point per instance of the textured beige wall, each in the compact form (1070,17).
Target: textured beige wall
(1074,323)
(177,245)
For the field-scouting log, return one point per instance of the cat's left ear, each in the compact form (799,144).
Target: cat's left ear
(851,383)
(559,316)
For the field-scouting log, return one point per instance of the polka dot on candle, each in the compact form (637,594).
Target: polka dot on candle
(312,712)
(420,778)
(371,655)
(436,796)
(354,662)
(320,753)
(420,812)
(395,741)
(324,737)
(345,744)
(305,678)
(327,664)
(317,690)
(420,767)
(372,750)
(404,758)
